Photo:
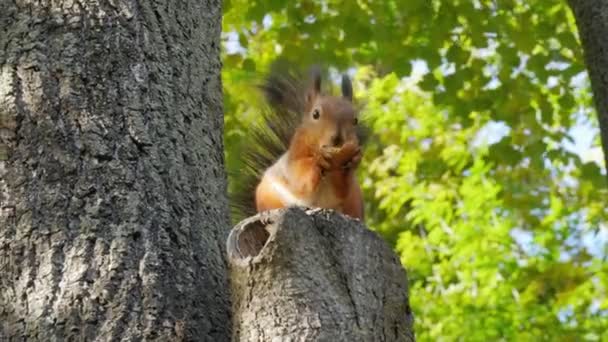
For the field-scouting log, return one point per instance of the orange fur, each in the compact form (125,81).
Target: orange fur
(318,170)
(309,172)
(353,204)
(266,197)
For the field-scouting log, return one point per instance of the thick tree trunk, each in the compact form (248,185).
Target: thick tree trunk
(592,22)
(112,184)
(315,276)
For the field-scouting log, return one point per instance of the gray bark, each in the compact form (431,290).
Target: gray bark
(592,22)
(315,276)
(112,185)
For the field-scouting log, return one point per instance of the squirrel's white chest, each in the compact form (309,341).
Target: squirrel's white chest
(283,184)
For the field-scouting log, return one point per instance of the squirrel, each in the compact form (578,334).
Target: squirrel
(305,150)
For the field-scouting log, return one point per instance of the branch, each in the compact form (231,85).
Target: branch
(315,276)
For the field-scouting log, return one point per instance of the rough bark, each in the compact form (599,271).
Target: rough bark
(592,22)
(315,276)
(112,185)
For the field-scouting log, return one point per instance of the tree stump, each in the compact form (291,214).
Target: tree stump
(315,275)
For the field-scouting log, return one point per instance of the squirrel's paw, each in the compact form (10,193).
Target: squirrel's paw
(335,158)
(325,157)
(354,161)
(349,154)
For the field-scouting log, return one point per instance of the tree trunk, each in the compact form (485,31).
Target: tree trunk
(592,22)
(112,183)
(315,276)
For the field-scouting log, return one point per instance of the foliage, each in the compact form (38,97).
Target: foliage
(503,231)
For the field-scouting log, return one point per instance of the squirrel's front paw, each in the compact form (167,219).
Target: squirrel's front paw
(325,157)
(354,161)
(347,154)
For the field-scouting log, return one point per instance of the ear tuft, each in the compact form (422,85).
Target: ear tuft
(315,74)
(315,87)
(347,88)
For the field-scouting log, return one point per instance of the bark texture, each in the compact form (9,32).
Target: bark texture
(112,185)
(315,276)
(592,22)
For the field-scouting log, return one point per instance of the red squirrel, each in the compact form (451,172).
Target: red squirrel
(319,148)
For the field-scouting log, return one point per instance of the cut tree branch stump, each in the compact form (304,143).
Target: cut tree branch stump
(315,275)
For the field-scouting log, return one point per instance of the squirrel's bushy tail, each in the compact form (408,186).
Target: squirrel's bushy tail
(284,89)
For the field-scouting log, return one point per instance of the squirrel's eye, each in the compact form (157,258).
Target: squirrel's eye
(316,114)
(356,121)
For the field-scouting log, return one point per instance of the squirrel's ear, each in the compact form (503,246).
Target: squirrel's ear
(315,87)
(347,88)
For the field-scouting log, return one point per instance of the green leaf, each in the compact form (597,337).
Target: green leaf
(249,65)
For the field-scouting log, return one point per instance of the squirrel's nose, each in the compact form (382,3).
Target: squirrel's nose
(336,140)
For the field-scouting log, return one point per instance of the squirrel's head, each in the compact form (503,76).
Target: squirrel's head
(330,120)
